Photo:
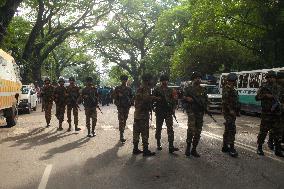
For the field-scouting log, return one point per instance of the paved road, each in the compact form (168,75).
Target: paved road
(33,156)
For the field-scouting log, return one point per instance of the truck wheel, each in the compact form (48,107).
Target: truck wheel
(11,116)
(29,109)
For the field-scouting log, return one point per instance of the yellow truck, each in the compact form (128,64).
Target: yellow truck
(10,87)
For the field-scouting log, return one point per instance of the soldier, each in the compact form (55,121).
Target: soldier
(164,110)
(60,101)
(90,102)
(280,81)
(47,97)
(143,103)
(269,94)
(122,99)
(231,107)
(196,98)
(73,94)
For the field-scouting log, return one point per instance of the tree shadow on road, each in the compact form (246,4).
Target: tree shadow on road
(64,148)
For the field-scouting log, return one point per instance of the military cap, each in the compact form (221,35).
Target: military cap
(123,77)
(280,75)
(270,74)
(147,77)
(71,79)
(46,79)
(61,80)
(232,77)
(164,78)
(195,75)
(89,79)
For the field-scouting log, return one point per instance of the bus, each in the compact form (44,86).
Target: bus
(248,84)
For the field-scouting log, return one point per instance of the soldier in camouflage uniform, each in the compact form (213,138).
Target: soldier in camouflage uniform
(231,107)
(60,101)
(143,103)
(90,102)
(123,99)
(47,100)
(164,110)
(280,81)
(196,98)
(73,94)
(271,114)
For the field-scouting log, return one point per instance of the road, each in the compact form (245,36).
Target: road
(33,156)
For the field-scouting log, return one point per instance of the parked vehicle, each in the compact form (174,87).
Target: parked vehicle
(28,99)
(214,98)
(10,86)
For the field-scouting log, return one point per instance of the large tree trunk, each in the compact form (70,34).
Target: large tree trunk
(7,13)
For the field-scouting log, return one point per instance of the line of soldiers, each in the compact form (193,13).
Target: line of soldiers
(162,101)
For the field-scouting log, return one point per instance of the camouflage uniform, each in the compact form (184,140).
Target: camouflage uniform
(123,100)
(269,118)
(90,101)
(72,97)
(60,101)
(195,112)
(47,97)
(164,110)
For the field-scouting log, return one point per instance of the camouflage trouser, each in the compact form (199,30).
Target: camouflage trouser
(47,111)
(60,110)
(75,114)
(272,124)
(91,113)
(122,118)
(141,126)
(194,124)
(230,129)
(160,117)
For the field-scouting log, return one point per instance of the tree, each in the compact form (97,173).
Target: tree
(7,12)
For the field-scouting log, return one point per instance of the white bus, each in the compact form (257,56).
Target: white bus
(247,85)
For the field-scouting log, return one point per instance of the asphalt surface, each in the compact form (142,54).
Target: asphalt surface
(32,156)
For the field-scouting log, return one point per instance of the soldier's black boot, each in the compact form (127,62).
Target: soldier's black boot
(136,150)
(278,150)
(225,148)
(187,151)
(159,146)
(47,123)
(194,152)
(69,128)
(77,128)
(233,152)
(93,132)
(122,139)
(172,149)
(270,143)
(60,127)
(89,132)
(259,150)
(147,152)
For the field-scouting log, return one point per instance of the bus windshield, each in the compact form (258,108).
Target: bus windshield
(25,90)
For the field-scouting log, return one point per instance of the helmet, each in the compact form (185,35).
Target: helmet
(46,79)
(232,77)
(271,74)
(61,80)
(147,77)
(195,75)
(89,79)
(164,78)
(71,79)
(280,75)
(123,77)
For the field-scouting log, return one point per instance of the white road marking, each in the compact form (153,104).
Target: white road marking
(45,177)
(244,146)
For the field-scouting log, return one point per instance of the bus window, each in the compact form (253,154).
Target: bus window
(243,81)
(223,81)
(254,81)
(263,78)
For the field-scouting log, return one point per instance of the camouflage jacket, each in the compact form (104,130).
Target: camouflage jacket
(123,96)
(230,100)
(90,97)
(60,95)
(267,103)
(72,93)
(168,99)
(47,93)
(199,95)
(143,103)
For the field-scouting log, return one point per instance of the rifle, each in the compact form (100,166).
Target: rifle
(276,107)
(97,105)
(74,100)
(200,105)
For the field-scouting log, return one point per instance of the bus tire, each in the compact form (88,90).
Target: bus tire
(11,116)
